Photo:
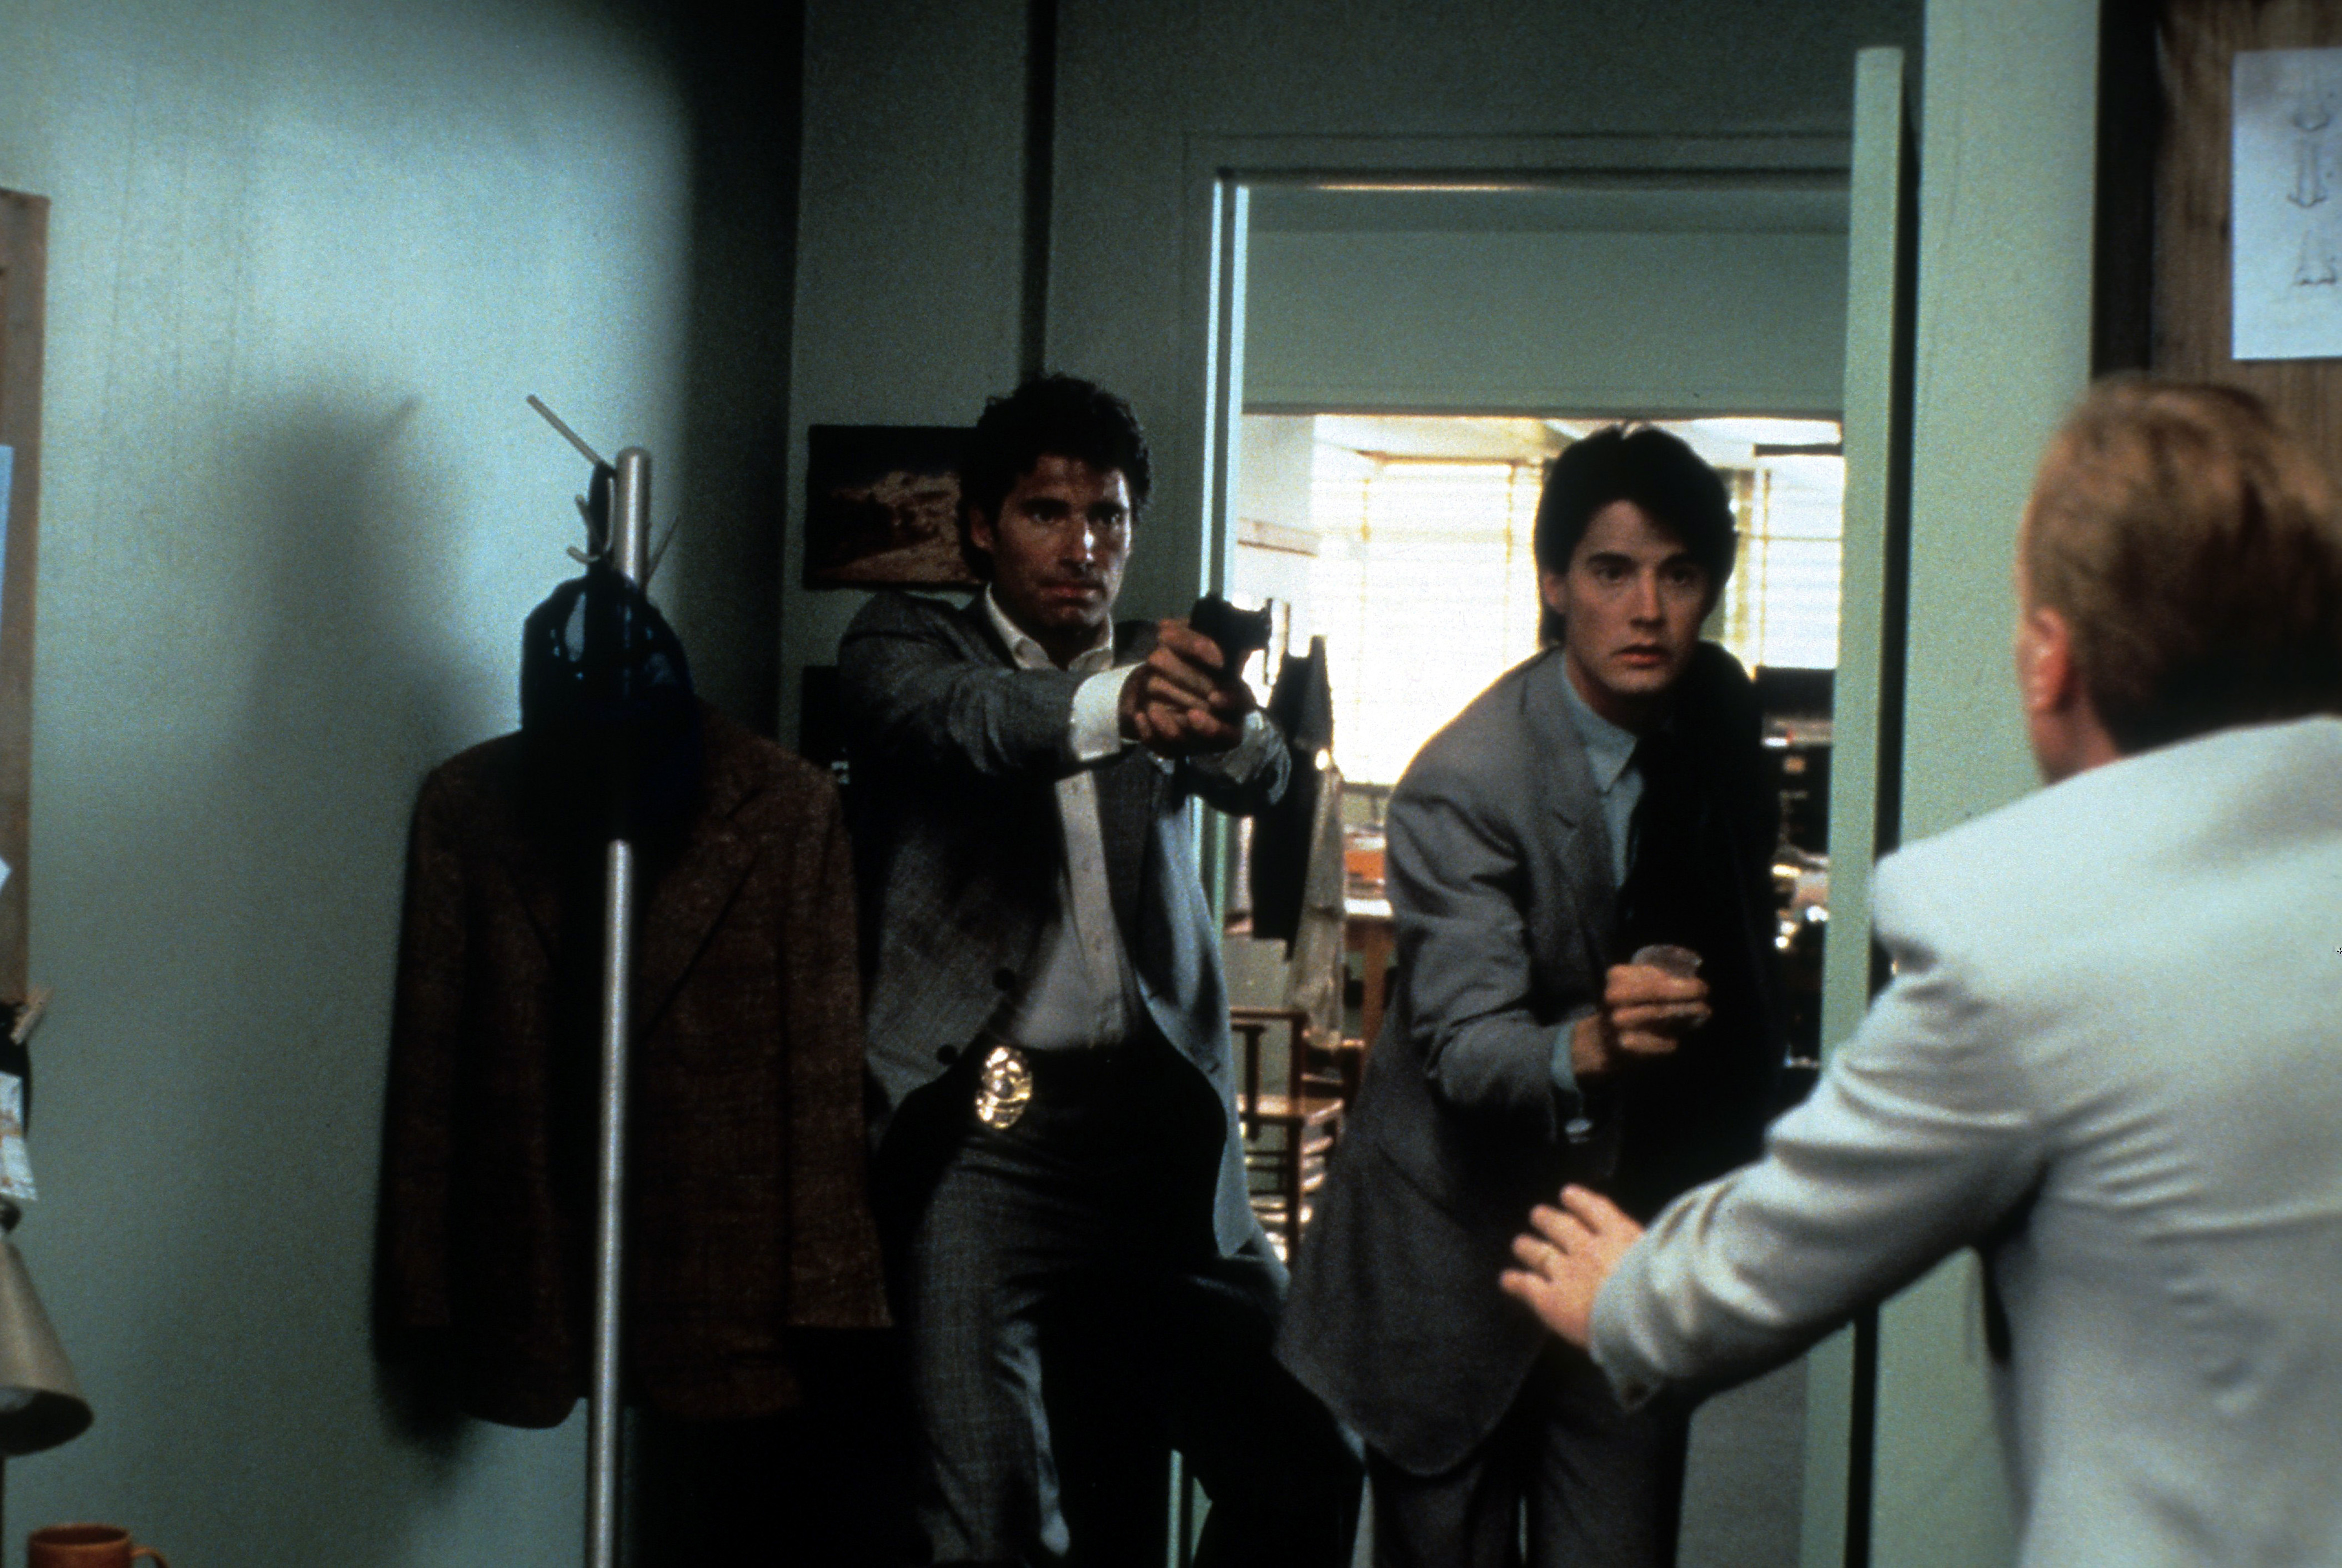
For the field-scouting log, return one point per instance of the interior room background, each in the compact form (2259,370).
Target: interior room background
(305,260)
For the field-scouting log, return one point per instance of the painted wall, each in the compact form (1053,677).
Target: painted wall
(2005,245)
(910,262)
(306,259)
(1591,322)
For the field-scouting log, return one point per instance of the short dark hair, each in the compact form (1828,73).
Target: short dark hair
(1655,470)
(2194,545)
(1056,415)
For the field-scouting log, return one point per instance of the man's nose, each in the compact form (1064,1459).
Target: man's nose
(1642,602)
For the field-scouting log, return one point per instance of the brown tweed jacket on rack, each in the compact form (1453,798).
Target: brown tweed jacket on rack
(746,1213)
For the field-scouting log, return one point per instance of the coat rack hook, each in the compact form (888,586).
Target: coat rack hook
(598,531)
(568,435)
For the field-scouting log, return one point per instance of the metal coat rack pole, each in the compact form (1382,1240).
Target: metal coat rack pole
(630,496)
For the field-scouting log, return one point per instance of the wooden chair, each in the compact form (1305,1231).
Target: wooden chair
(1288,1132)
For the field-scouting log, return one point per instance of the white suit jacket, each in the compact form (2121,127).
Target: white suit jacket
(2111,1058)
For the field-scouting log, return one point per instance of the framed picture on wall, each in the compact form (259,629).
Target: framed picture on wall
(881,504)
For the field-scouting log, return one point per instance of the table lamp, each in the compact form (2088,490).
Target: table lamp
(41,1405)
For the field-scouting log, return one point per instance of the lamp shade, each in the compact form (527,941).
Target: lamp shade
(40,1403)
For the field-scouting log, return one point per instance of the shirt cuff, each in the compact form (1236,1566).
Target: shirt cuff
(1558,1066)
(1095,731)
(1609,1334)
(1243,760)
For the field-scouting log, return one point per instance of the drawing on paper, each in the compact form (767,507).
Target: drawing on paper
(2286,264)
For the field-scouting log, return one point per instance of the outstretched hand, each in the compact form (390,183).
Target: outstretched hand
(1174,704)
(1566,1258)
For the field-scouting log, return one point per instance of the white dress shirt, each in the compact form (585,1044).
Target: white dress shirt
(1081,990)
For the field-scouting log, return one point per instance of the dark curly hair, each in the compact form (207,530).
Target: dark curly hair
(1050,416)
(1655,470)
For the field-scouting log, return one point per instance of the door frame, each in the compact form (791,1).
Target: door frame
(1218,174)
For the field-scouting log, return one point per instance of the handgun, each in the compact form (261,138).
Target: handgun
(1240,633)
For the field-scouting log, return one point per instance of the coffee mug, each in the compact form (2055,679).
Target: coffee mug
(84,1546)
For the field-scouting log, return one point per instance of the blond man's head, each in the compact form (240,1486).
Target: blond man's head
(2192,546)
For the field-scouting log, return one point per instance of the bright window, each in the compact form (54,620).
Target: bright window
(1424,583)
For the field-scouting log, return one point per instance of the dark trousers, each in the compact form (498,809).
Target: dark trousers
(1603,1488)
(824,1486)
(1069,1321)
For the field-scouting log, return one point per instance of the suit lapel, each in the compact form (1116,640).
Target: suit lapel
(1126,802)
(535,870)
(683,907)
(536,890)
(689,901)
(1581,839)
(976,622)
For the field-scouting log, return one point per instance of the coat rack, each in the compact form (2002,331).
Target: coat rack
(628,528)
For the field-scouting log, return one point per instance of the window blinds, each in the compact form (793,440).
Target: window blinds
(1425,585)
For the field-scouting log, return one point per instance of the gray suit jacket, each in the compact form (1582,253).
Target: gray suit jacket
(954,751)
(2111,1056)
(1499,872)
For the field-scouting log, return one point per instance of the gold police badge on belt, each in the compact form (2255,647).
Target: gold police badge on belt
(1004,1089)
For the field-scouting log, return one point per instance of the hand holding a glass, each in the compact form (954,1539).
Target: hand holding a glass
(1649,1003)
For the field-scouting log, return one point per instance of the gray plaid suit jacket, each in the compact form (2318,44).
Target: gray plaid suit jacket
(952,751)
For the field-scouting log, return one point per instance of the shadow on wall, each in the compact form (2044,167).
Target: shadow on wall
(354,696)
(286,877)
(741,67)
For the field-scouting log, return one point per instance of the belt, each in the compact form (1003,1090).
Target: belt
(1011,1074)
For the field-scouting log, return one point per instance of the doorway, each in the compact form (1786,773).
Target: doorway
(1407,358)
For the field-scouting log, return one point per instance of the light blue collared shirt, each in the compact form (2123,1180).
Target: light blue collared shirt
(1610,759)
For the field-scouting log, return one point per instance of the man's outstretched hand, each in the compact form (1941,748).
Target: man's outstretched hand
(1174,703)
(1566,1258)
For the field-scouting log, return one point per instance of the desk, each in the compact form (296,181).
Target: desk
(1368,929)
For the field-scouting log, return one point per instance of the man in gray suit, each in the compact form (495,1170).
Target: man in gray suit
(1604,798)
(2108,1056)
(1060,1171)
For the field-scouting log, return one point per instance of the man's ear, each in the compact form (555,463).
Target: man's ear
(1553,589)
(2048,681)
(979,530)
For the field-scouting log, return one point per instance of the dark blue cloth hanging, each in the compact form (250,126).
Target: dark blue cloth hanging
(609,727)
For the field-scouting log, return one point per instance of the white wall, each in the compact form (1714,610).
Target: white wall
(306,259)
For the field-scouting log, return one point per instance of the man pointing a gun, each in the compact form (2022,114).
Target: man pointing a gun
(1072,1256)
(1579,869)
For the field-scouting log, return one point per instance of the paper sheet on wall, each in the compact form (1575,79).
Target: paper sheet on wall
(2285,237)
(15,1162)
